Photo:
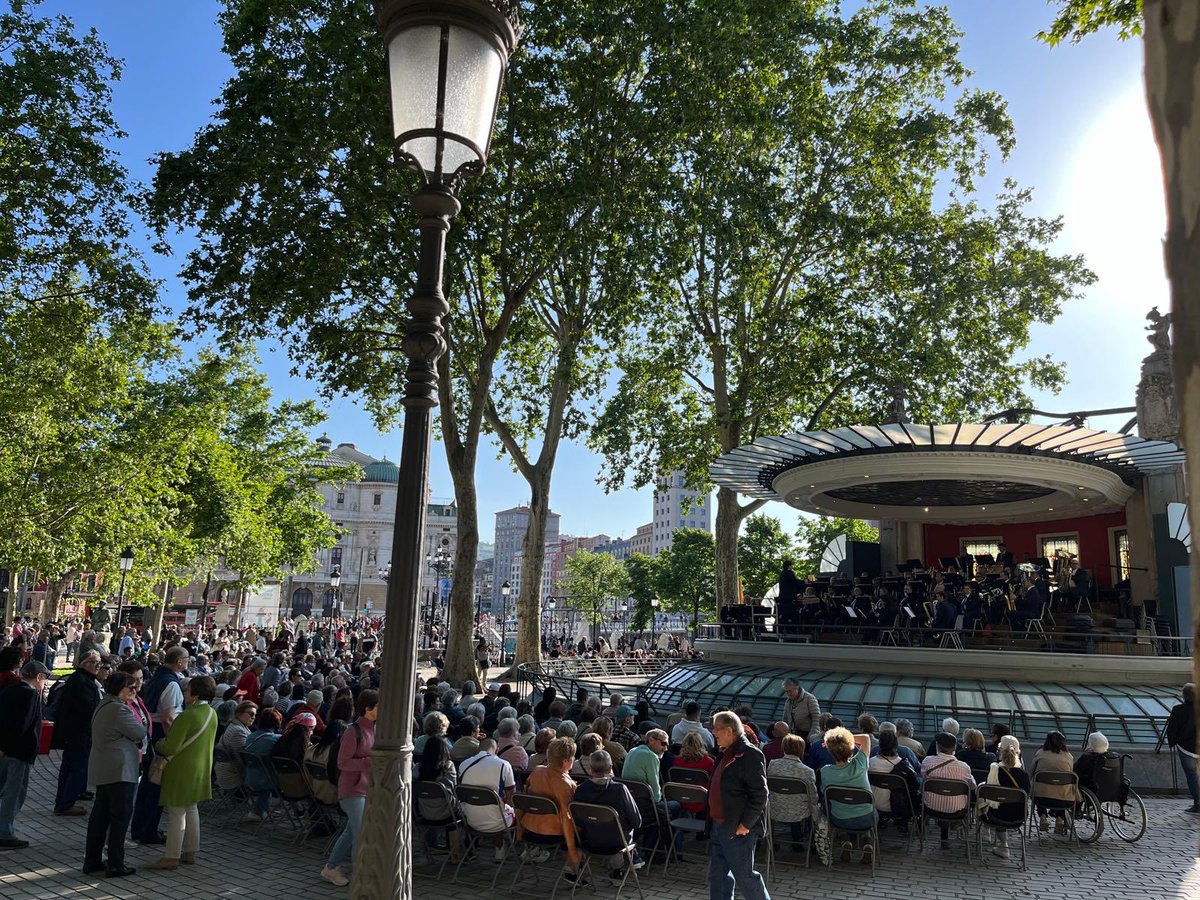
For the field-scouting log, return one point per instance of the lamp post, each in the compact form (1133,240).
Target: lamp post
(653,621)
(550,604)
(440,562)
(505,591)
(335,584)
(385,575)
(125,561)
(446,63)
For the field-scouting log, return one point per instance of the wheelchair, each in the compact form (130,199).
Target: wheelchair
(1111,803)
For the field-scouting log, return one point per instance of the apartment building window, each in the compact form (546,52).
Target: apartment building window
(341,498)
(378,499)
(335,556)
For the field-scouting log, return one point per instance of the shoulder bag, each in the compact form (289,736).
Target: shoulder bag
(158,765)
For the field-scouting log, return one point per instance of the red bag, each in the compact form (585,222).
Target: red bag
(47,734)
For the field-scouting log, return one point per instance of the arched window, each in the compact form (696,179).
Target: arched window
(329,604)
(302,601)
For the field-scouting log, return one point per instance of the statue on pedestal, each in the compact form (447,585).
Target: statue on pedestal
(1157,409)
(101,618)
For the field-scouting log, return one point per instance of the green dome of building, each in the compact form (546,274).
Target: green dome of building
(383,471)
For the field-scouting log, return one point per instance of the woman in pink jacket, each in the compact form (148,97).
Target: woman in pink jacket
(354,766)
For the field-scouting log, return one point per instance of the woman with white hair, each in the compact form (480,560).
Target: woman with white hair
(1092,760)
(1006,772)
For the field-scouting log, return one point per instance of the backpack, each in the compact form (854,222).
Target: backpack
(901,801)
(53,699)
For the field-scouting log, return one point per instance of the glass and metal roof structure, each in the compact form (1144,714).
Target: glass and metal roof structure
(1126,714)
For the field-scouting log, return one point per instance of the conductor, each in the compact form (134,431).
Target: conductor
(789,591)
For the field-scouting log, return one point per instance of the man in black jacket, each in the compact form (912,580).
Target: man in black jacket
(1181,734)
(20,725)
(602,790)
(78,699)
(737,799)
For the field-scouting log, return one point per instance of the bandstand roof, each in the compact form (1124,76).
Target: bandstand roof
(992,472)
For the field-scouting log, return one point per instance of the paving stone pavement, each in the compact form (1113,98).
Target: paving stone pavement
(246,861)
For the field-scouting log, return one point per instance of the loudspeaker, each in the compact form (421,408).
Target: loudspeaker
(861,557)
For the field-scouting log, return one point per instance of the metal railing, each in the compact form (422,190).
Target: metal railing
(600,676)
(1050,639)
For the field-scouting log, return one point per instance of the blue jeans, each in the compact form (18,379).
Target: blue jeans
(353,808)
(72,779)
(731,863)
(14,785)
(1189,775)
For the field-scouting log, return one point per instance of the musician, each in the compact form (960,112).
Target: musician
(972,605)
(1029,606)
(789,590)
(1004,556)
(945,612)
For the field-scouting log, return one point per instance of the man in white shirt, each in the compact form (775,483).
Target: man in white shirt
(126,641)
(485,769)
(690,724)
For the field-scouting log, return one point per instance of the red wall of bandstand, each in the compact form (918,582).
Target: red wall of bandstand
(1095,553)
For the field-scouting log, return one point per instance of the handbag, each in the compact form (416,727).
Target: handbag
(158,765)
(822,837)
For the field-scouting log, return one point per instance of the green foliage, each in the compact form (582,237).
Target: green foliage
(64,199)
(594,583)
(1078,18)
(686,572)
(762,548)
(814,534)
(641,573)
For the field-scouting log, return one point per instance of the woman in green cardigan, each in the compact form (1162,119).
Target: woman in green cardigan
(187,779)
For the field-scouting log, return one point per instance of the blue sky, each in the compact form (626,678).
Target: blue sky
(1083,143)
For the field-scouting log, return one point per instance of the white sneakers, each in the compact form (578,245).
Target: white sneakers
(1001,851)
(334,876)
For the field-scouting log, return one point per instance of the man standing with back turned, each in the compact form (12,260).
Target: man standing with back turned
(737,799)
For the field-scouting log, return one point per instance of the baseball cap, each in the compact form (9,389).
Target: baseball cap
(494,687)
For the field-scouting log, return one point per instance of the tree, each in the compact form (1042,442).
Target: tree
(64,199)
(685,574)
(762,548)
(304,236)
(1171,32)
(813,535)
(823,195)
(594,583)
(641,573)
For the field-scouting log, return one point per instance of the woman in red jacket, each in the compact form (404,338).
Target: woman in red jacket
(354,766)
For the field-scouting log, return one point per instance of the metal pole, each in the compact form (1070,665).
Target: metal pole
(121,597)
(383,860)
(362,555)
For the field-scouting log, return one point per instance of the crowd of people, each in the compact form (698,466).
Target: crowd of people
(140,733)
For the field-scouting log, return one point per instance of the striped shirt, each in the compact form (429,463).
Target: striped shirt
(946,767)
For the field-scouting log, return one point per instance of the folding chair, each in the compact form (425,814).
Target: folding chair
(945,787)
(331,814)
(651,816)
(296,794)
(434,792)
(852,796)
(1066,807)
(1038,624)
(470,795)
(787,787)
(598,833)
(258,769)
(1006,795)
(691,794)
(682,775)
(950,637)
(227,798)
(537,805)
(893,783)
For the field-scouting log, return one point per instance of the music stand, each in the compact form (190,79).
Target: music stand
(985,559)
(948,562)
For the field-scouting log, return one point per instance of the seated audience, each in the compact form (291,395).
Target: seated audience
(1050,798)
(944,765)
(848,769)
(794,809)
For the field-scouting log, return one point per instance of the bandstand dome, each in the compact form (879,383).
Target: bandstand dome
(951,473)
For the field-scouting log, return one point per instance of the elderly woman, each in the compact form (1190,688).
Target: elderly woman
(526,731)
(1007,772)
(973,752)
(113,768)
(1092,760)
(849,769)
(795,809)
(540,745)
(433,763)
(187,779)
(434,725)
(230,775)
(1050,798)
(509,749)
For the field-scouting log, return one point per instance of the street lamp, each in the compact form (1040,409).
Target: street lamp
(653,621)
(446,63)
(385,575)
(125,561)
(505,590)
(335,584)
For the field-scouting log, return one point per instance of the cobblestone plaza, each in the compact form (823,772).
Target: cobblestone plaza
(247,861)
